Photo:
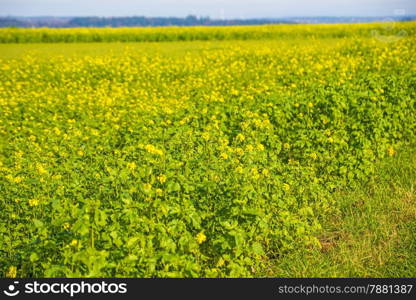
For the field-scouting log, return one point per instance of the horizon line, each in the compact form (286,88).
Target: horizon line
(208,17)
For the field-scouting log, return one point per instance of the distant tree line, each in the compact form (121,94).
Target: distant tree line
(130,22)
(160,21)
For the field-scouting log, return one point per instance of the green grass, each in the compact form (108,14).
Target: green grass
(374,233)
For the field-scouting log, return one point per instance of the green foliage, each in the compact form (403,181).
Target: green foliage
(203,165)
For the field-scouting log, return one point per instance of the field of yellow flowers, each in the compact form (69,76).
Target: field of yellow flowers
(203,163)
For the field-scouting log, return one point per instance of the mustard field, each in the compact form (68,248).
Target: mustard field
(206,155)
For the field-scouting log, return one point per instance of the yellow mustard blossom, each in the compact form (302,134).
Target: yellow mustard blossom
(152,149)
(201,237)
(18,179)
(74,243)
(260,147)
(41,169)
(286,187)
(34,202)
(224,155)
(239,151)
(131,166)
(249,148)
(220,262)
(391,151)
(206,136)
(57,131)
(162,178)
(11,272)
(255,173)
(147,187)
(240,137)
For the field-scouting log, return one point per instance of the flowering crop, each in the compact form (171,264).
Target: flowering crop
(204,33)
(200,165)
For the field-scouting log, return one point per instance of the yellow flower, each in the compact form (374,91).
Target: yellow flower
(314,156)
(224,155)
(41,169)
(12,272)
(152,149)
(223,141)
(260,147)
(239,169)
(132,166)
(266,173)
(220,262)
(34,202)
(249,148)
(206,136)
(239,151)
(95,132)
(18,179)
(74,243)
(159,192)
(57,131)
(240,137)
(162,178)
(391,151)
(255,173)
(66,225)
(147,187)
(286,187)
(201,237)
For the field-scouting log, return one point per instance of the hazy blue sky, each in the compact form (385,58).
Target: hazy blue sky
(212,8)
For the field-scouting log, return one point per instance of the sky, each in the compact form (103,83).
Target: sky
(218,9)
